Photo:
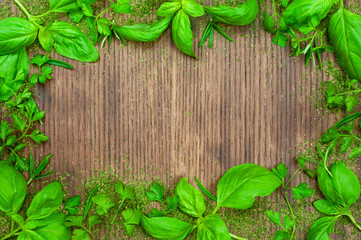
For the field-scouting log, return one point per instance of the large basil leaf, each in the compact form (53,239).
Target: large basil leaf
(48,200)
(69,42)
(182,33)
(15,34)
(14,70)
(191,201)
(13,188)
(63,6)
(244,14)
(300,12)
(345,35)
(143,32)
(54,228)
(166,228)
(168,9)
(326,207)
(239,186)
(192,7)
(212,228)
(342,188)
(321,228)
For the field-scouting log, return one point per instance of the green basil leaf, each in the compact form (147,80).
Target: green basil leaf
(342,188)
(55,228)
(45,38)
(62,6)
(213,227)
(192,7)
(13,188)
(143,32)
(244,14)
(182,33)
(321,228)
(326,207)
(48,200)
(15,34)
(300,12)
(166,228)
(345,35)
(168,9)
(29,235)
(191,201)
(239,186)
(71,42)
(14,70)
(35,223)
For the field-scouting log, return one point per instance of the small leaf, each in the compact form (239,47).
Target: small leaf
(173,202)
(155,213)
(156,192)
(131,216)
(124,191)
(280,39)
(281,171)
(275,218)
(104,203)
(39,59)
(94,220)
(351,102)
(302,191)
(72,203)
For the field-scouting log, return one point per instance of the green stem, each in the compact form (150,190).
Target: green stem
(236,237)
(311,160)
(216,209)
(98,16)
(112,222)
(292,214)
(23,8)
(88,231)
(12,225)
(359,90)
(293,175)
(341,4)
(11,234)
(354,221)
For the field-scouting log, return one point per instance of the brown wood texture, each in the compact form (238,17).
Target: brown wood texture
(150,108)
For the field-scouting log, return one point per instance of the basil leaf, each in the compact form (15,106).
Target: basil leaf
(54,228)
(13,188)
(191,201)
(342,188)
(244,14)
(300,12)
(62,6)
(345,35)
(15,34)
(166,228)
(326,207)
(14,70)
(168,9)
(143,32)
(71,42)
(192,7)
(213,227)
(321,228)
(182,33)
(239,186)
(48,200)
(45,38)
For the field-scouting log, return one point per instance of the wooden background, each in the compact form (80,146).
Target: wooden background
(150,109)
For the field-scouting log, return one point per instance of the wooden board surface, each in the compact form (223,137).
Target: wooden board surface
(150,108)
